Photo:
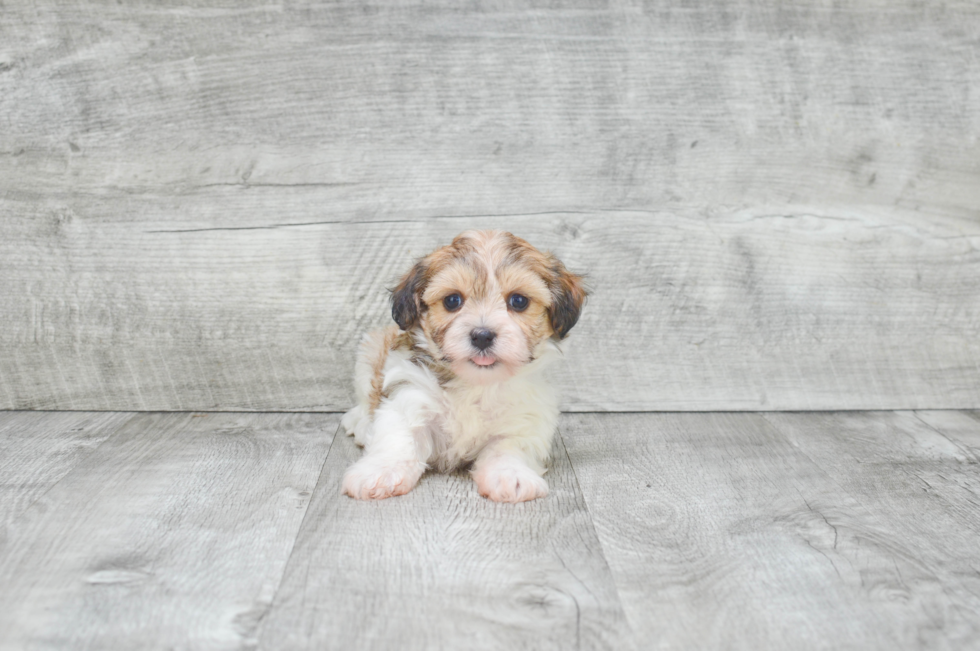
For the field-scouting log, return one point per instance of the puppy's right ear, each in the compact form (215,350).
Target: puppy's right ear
(406,298)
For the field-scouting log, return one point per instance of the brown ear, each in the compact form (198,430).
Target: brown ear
(406,298)
(567,298)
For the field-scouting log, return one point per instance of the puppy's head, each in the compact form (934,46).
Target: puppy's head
(486,302)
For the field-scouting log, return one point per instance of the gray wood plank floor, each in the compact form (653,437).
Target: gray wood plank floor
(833,530)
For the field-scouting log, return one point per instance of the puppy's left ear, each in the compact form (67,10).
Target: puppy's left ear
(406,298)
(568,294)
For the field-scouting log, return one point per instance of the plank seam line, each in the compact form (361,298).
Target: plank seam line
(328,222)
(969,453)
(598,539)
(289,557)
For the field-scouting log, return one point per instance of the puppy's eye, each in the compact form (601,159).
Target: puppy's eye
(452,302)
(517,302)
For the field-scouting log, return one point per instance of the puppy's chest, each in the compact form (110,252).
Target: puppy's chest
(471,416)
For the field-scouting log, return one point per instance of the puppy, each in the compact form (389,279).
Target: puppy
(458,383)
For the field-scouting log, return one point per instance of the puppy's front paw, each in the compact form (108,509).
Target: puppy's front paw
(357,423)
(373,480)
(508,479)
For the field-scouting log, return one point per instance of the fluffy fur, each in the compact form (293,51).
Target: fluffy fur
(430,397)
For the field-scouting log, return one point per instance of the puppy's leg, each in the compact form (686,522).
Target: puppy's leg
(357,423)
(372,355)
(396,454)
(507,473)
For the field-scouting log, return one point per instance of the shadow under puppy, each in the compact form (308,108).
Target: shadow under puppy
(459,381)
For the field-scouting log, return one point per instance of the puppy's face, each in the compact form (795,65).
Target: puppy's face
(486,302)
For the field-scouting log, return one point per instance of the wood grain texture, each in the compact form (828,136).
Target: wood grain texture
(509,107)
(776,203)
(960,427)
(37,449)
(172,534)
(668,531)
(443,568)
(920,481)
(722,534)
(689,312)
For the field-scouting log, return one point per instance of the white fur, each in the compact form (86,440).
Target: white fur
(504,428)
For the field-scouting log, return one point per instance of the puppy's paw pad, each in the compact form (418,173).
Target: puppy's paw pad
(510,482)
(367,480)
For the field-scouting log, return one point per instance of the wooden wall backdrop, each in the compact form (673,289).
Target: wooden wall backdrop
(778,204)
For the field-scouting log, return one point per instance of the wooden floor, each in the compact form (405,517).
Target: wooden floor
(845,530)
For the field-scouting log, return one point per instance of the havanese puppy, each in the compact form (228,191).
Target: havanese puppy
(458,383)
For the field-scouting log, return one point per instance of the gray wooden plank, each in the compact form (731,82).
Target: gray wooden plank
(715,310)
(443,568)
(916,479)
(721,534)
(172,534)
(37,449)
(509,107)
(851,130)
(961,427)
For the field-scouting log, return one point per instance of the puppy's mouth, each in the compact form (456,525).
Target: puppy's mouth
(483,361)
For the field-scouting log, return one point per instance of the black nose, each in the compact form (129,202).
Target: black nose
(482,338)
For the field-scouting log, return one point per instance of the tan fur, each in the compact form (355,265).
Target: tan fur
(390,338)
